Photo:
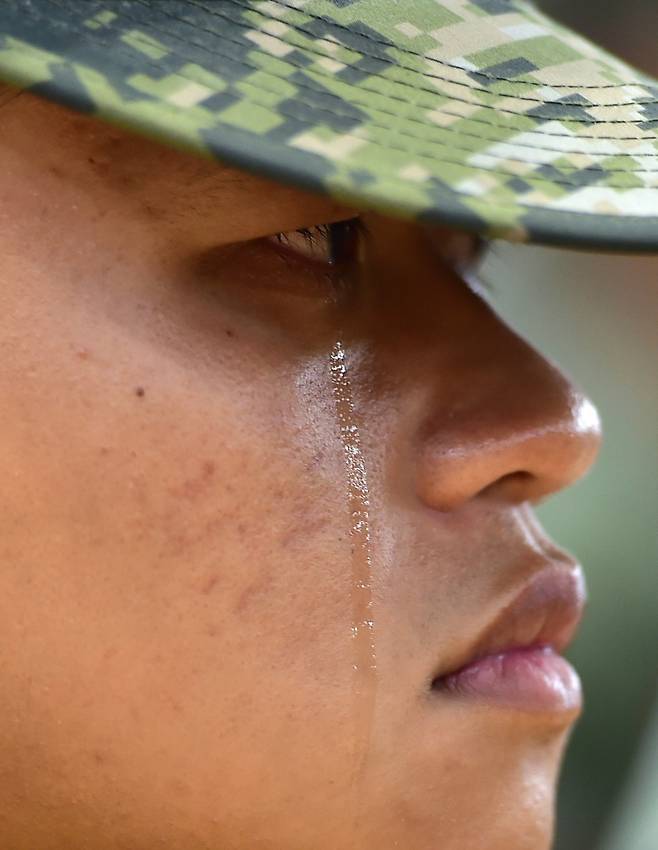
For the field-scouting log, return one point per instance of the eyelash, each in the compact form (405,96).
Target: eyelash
(310,234)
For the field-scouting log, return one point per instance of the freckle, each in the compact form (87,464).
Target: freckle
(209,584)
(229,332)
(99,758)
(140,391)
(208,468)
(104,450)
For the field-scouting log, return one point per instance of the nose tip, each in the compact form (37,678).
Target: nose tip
(509,452)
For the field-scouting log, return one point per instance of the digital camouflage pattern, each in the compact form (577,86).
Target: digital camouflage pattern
(483,113)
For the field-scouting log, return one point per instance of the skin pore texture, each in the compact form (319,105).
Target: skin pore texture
(177,570)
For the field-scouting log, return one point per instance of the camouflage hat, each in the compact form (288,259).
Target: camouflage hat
(482,113)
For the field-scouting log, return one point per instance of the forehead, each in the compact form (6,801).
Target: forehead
(133,169)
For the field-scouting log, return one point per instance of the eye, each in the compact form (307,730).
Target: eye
(329,244)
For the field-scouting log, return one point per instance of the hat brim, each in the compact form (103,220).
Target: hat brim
(481,113)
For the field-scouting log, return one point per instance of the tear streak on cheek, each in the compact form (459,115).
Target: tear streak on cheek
(363,623)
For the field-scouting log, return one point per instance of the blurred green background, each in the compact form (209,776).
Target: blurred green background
(596,315)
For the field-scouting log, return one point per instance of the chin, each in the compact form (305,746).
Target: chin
(477,781)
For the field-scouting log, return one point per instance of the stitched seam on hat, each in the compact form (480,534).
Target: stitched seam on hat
(466,166)
(420,74)
(388,128)
(429,158)
(432,126)
(302,11)
(407,85)
(424,56)
(393,64)
(391,97)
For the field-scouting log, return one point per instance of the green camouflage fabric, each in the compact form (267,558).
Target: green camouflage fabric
(481,113)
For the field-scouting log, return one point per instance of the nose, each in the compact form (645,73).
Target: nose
(518,433)
(492,418)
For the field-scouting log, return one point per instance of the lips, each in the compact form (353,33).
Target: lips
(515,662)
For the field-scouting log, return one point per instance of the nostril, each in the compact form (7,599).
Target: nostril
(512,487)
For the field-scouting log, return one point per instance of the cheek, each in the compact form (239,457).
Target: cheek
(181,593)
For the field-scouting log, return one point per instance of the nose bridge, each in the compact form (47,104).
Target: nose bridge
(506,424)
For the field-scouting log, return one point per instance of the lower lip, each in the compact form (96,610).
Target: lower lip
(529,679)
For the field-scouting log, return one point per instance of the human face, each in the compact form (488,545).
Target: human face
(257,509)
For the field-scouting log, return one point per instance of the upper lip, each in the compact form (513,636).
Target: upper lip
(545,613)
